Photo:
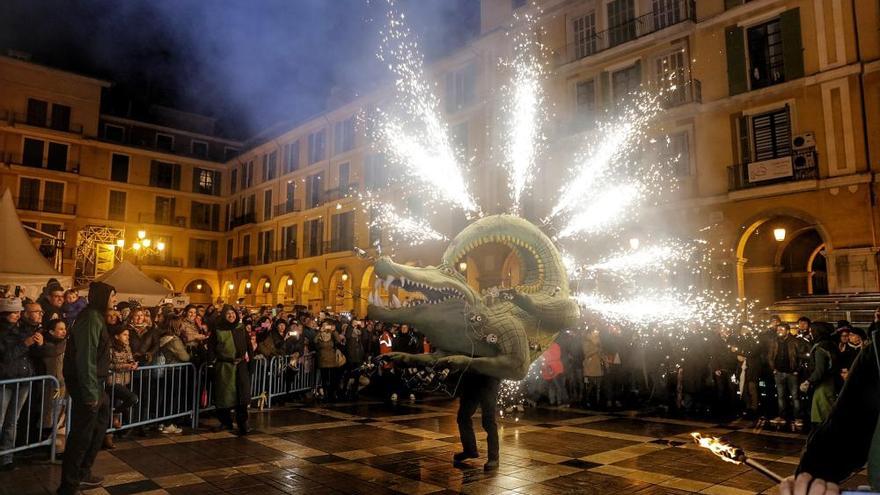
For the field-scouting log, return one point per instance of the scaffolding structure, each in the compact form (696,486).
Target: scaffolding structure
(96,252)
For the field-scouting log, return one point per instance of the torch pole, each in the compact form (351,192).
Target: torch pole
(757,466)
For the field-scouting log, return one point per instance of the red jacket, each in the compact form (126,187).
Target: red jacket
(552,362)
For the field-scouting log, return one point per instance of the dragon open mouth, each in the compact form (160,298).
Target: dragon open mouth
(430,294)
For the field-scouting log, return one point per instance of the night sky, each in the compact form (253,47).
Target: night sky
(251,63)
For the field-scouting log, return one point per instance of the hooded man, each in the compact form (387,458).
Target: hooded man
(86,368)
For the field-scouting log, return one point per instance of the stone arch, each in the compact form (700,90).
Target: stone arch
(285,289)
(263,290)
(766,268)
(165,282)
(245,288)
(339,290)
(312,291)
(199,291)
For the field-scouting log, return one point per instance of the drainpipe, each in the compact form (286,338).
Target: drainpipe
(872,196)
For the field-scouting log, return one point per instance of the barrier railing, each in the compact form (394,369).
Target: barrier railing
(205,390)
(34,402)
(161,392)
(286,379)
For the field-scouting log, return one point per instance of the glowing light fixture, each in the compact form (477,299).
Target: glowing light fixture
(120,243)
(146,242)
(142,234)
(315,279)
(267,285)
(779,234)
(198,286)
(231,286)
(344,277)
(247,285)
(136,246)
(462,267)
(160,246)
(289,282)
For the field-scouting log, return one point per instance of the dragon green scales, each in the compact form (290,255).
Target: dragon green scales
(493,334)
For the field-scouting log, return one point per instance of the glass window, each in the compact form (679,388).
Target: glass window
(267,204)
(165,142)
(29,194)
(586,97)
(32,154)
(119,167)
(343,136)
(60,117)
(291,157)
(116,211)
(53,196)
(317,146)
(200,148)
(114,133)
(621,28)
(37,112)
(461,88)
(771,135)
(584,30)
(56,159)
(767,66)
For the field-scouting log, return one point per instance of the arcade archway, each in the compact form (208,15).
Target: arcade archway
(199,291)
(340,293)
(312,294)
(285,290)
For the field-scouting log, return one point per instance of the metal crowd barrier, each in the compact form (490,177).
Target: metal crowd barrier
(164,392)
(260,380)
(284,379)
(18,413)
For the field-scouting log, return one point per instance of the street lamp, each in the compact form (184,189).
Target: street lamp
(143,245)
(779,234)
(462,267)
(315,279)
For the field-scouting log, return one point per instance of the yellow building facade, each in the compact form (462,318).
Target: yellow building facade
(774,115)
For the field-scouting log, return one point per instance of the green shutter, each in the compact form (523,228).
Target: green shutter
(792,47)
(175,177)
(195,181)
(218,190)
(605,88)
(736,60)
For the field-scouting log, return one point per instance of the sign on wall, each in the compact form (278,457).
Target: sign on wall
(777,168)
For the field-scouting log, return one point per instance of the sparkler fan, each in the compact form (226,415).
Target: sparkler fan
(733,454)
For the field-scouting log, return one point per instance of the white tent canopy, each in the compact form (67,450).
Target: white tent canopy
(21,264)
(133,285)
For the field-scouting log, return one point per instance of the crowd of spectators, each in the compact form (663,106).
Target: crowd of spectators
(785,374)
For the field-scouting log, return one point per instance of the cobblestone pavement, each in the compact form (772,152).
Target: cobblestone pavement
(374,448)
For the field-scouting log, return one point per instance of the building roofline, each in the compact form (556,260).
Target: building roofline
(101,82)
(124,120)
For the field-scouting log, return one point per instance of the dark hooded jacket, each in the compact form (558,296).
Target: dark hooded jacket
(87,358)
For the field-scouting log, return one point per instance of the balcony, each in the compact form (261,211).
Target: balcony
(171,221)
(159,261)
(242,220)
(678,12)
(44,163)
(290,253)
(339,245)
(287,207)
(239,261)
(207,226)
(801,165)
(46,205)
(339,193)
(63,125)
(689,92)
(203,261)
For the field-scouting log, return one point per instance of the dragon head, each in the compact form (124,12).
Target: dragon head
(452,313)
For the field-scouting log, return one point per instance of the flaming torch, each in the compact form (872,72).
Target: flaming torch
(733,454)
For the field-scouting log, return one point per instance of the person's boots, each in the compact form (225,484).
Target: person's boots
(491,465)
(108,441)
(459,457)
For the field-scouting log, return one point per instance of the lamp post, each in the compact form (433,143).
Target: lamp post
(142,246)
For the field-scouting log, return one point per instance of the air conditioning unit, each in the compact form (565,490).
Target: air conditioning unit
(803,141)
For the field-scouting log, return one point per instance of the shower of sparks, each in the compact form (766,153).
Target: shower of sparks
(660,257)
(605,210)
(612,145)
(413,132)
(524,116)
(407,228)
(666,308)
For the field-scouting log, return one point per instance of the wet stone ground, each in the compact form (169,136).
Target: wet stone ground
(374,448)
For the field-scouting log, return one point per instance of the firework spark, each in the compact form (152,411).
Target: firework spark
(603,211)
(668,308)
(413,132)
(660,257)
(524,116)
(410,229)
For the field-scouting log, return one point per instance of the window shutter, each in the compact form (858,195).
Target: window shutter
(154,173)
(637,71)
(605,87)
(792,47)
(736,60)
(742,129)
(195,182)
(175,177)
(215,217)
(217,189)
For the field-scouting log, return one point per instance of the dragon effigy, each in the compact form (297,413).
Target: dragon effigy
(498,333)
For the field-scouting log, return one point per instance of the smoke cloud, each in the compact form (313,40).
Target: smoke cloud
(249,63)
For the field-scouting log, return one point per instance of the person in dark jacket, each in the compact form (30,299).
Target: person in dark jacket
(49,360)
(231,352)
(15,363)
(822,379)
(142,336)
(52,302)
(786,353)
(833,453)
(73,306)
(86,368)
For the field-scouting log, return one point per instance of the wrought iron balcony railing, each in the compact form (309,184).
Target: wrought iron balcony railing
(31,203)
(800,165)
(672,13)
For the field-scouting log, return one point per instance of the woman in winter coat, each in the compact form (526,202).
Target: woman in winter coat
(325,347)
(49,360)
(231,352)
(594,368)
(822,380)
(15,363)
(141,336)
